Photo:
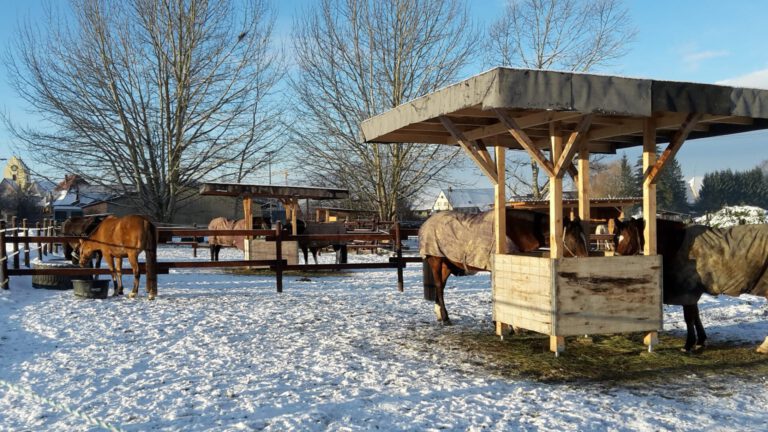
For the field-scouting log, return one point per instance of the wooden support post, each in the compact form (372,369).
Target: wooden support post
(649,187)
(583,186)
(248,216)
(39,244)
(53,232)
(555,197)
(399,254)
(294,204)
(4,281)
(500,201)
(279,256)
(649,203)
(557,344)
(15,247)
(25,228)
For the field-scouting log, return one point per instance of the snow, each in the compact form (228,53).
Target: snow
(734,215)
(225,352)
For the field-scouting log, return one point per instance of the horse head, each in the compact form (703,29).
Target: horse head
(574,239)
(628,236)
(84,250)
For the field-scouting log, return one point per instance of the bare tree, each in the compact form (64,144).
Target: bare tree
(358,58)
(150,96)
(567,35)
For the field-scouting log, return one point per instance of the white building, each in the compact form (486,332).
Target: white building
(464,200)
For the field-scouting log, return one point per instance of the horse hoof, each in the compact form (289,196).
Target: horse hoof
(763,348)
(446,322)
(131,295)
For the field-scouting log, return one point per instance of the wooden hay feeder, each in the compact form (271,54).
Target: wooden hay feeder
(577,296)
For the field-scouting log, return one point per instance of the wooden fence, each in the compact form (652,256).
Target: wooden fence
(16,236)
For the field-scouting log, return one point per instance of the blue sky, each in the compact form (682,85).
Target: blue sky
(684,40)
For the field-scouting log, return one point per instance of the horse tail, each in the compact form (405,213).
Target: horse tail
(151,258)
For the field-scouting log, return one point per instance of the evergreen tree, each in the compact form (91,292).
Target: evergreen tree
(628,186)
(727,188)
(670,185)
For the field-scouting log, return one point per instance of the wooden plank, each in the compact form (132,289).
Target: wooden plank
(488,169)
(649,188)
(651,175)
(525,142)
(608,295)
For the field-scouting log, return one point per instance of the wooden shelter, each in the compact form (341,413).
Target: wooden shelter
(289,196)
(559,117)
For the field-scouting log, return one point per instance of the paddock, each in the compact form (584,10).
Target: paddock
(559,119)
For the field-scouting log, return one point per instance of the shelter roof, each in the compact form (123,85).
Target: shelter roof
(535,98)
(272,191)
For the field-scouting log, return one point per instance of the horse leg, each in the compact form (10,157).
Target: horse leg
(119,273)
(690,314)
(305,251)
(133,259)
(111,264)
(440,271)
(701,335)
(314,254)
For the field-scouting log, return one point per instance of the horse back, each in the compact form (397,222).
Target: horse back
(118,234)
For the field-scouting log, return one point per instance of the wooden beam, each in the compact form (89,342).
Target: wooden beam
(500,201)
(649,188)
(525,142)
(652,172)
(482,150)
(565,160)
(524,122)
(488,169)
(555,197)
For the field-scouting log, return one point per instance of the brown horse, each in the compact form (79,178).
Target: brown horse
(216,242)
(79,226)
(457,244)
(698,259)
(118,237)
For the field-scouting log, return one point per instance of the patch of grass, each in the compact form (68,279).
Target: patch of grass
(621,359)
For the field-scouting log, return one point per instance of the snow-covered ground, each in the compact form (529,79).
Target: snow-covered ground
(224,352)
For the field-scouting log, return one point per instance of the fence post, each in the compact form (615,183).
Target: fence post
(55,245)
(15,243)
(279,257)
(3,258)
(399,254)
(39,245)
(26,241)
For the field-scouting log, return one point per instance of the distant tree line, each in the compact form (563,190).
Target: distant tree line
(724,188)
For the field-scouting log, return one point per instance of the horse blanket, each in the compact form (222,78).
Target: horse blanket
(729,261)
(462,238)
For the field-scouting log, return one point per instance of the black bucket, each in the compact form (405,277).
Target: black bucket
(430,287)
(90,288)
